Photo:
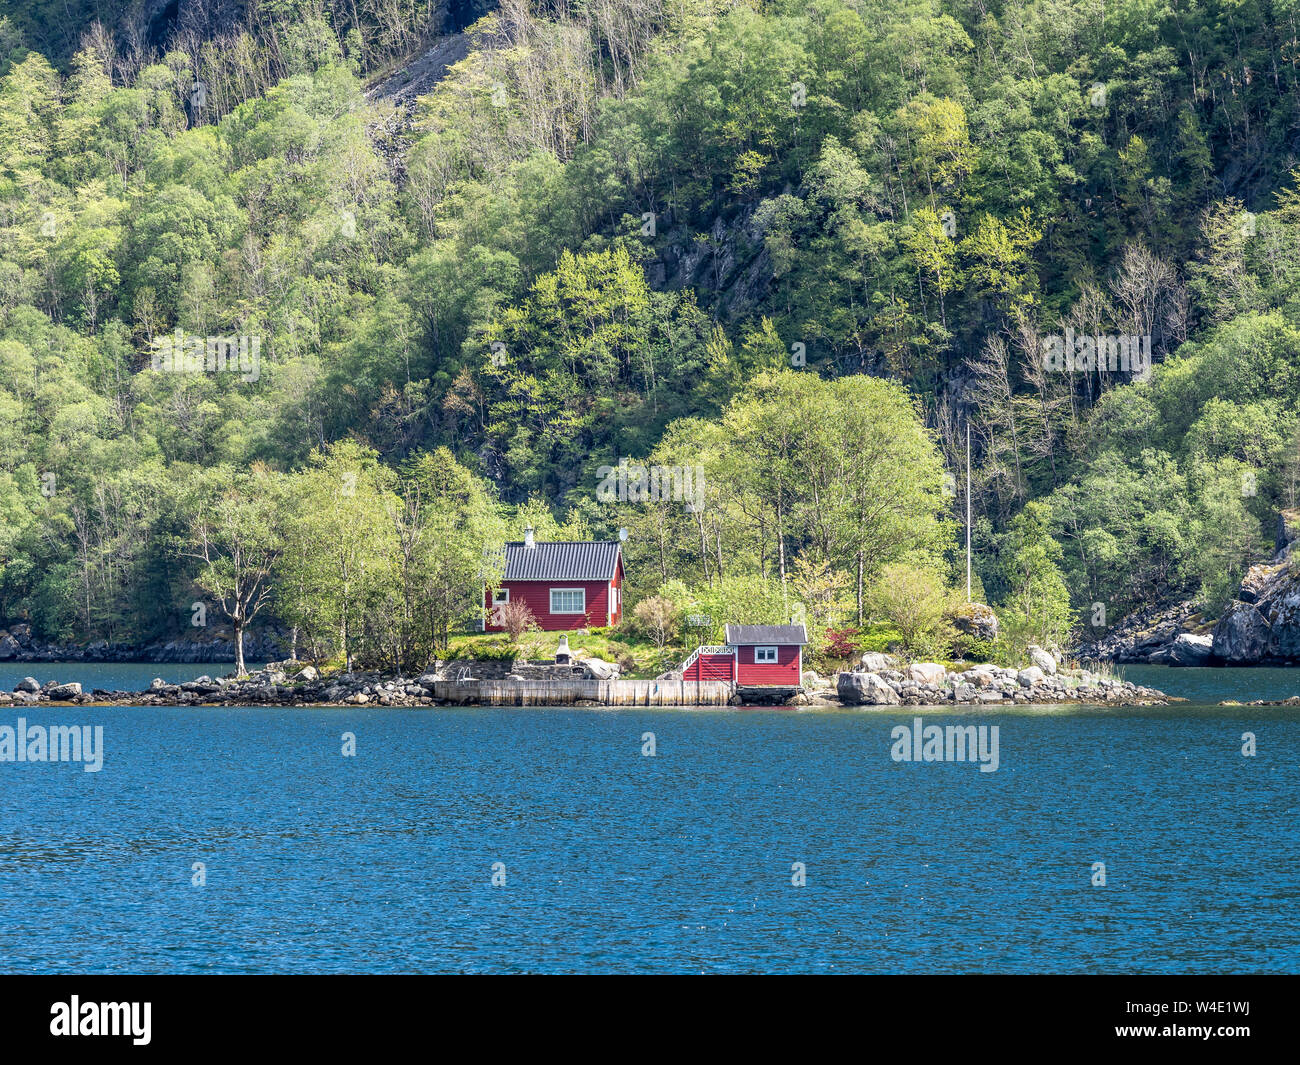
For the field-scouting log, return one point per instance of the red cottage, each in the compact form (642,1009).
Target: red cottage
(754,656)
(567,585)
(768,656)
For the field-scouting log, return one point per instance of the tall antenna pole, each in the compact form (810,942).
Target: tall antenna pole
(968,599)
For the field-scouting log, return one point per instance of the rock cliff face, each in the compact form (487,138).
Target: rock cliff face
(730,267)
(1262,625)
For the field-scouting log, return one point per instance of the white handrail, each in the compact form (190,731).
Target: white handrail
(719,649)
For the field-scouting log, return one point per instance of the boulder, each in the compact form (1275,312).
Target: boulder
(977,620)
(8,647)
(810,679)
(1029,676)
(600,669)
(64,691)
(28,684)
(672,674)
(874,662)
(865,689)
(1263,623)
(926,673)
(1042,660)
(308,673)
(1191,650)
(980,676)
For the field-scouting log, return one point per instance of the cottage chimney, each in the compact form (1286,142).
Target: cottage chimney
(528,537)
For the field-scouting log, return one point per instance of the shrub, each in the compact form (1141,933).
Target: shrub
(1217,591)
(515,617)
(915,602)
(880,638)
(973,649)
(841,643)
(659,618)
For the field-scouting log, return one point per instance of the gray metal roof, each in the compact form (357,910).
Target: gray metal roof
(767,634)
(561,561)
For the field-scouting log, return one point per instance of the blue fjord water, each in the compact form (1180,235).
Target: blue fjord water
(680,862)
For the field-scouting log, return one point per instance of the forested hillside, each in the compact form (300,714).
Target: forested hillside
(799,245)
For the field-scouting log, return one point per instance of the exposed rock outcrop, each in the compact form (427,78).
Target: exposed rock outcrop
(1262,625)
(422,72)
(976,620)
(991,685)
(1148,636)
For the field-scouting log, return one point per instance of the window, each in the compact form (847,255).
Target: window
(765,655)
(568,600)
(501,595)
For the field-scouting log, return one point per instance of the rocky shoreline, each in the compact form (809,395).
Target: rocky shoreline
(881,682)
(1045,682)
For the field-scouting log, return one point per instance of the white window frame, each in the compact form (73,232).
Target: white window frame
(496,597)
(765,661)
(581,591)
